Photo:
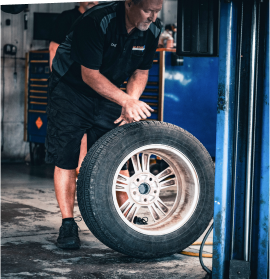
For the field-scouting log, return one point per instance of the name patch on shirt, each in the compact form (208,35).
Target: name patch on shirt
(140,48)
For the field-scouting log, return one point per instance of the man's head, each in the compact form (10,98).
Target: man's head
(84,6)
(141,13)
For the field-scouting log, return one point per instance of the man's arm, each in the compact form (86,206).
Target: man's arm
(132,108)
(137,83)
(52,49)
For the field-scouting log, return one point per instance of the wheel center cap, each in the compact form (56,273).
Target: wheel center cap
(144,189)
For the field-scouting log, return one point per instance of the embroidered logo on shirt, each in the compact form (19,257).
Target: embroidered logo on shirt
(141,48)
(114,45)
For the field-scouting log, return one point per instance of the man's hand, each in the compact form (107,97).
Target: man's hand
(133,110)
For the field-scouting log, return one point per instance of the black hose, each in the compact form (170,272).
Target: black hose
(3,103)
(201,250)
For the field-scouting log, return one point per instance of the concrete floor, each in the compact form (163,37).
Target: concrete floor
(30,219)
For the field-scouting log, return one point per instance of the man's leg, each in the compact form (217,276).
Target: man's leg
(83,152)
(65,187)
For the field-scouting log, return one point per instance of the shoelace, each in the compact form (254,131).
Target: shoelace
(78,219)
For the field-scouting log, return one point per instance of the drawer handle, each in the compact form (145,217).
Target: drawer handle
(38,85)
(38,103)
(38,111)
(152,104)
(39,61)
(38,79)
(148,97)
(38,91)
(38,97)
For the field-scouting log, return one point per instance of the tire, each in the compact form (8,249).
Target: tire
(179,201)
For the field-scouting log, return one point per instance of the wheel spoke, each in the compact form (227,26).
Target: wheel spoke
(122,183)
(168,183)
(125,207)
(123,178)
(154,212)
(121,187)
(164,174)
(145,162)
(161,206)
(132,212)
(136,163)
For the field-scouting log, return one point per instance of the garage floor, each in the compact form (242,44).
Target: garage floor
(30,219)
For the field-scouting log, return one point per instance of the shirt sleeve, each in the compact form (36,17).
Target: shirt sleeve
(149,55)
(87,44)
(60,28)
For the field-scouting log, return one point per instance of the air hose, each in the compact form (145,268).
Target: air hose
(201,250)
(200,254)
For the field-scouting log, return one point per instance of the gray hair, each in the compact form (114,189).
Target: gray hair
(136,2)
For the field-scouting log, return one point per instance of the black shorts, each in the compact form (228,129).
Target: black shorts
(70,116)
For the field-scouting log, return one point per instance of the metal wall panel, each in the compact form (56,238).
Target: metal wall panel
(169,12)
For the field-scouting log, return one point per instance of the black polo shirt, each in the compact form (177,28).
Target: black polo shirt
(62,25)
(99,41)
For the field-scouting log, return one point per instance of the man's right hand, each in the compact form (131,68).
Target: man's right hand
(133,110)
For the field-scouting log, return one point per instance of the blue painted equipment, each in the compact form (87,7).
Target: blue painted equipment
(241,212)
(190,97)
(36,96)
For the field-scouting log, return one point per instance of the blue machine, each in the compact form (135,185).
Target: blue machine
(241,212)
(190,97)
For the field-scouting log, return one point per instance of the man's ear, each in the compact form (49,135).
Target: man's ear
(128,3)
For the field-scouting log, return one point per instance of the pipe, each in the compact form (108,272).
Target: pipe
(250,134)
(239,50)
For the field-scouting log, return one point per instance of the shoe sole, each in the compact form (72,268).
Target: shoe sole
(69,247)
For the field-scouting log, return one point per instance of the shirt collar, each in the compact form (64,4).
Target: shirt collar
(121,22)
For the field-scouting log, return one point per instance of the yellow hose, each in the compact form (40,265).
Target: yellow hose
(197,254)
(199,243)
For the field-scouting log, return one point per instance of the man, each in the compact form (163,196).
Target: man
(63,24)
(61,27)
(108,44)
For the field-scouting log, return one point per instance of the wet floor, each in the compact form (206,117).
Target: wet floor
(30,221)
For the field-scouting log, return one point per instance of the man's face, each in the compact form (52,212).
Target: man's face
(87,5)
(144,13)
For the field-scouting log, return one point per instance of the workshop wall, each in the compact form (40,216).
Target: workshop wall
(12,88)
(169,12)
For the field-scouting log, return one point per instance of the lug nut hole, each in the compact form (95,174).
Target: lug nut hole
(138,179)
(150,179)
(155,191)
(145,200)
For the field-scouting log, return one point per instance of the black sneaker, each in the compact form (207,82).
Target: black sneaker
(68,235)
(140,221)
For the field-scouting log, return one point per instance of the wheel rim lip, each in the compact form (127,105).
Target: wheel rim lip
(195,199)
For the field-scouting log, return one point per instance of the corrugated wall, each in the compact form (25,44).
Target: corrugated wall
(12,90)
